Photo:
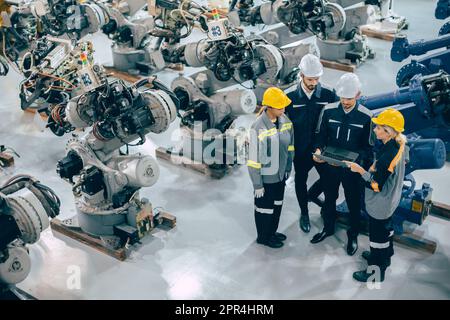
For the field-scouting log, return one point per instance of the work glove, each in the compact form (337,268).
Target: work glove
(259,193)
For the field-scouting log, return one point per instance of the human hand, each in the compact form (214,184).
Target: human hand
(354,167)
(318,152)
(259,193)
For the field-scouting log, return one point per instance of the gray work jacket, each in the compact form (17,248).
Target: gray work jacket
(381,204)
(271,150)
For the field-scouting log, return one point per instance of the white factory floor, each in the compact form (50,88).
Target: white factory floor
(211,253)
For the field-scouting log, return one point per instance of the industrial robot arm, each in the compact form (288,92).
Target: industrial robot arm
(26,206)
(316,16)
(106,182)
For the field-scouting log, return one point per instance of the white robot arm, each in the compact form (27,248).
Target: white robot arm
(25,209)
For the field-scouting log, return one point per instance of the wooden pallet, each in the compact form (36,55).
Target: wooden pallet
(411,240)
(377,34)
(163,218)
(164,154)
(338,66)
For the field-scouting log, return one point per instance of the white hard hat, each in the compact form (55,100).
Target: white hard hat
(348,86)
(310,66)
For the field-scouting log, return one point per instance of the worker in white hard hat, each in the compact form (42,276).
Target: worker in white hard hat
(345,125)
(308,99)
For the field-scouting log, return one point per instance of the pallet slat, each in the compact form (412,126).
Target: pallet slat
(338,66)
(92,242)
(377,34)
(202,168)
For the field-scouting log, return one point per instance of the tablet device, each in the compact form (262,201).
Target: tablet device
(337,156)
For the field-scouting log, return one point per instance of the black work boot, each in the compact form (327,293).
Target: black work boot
(363,275)
(352,245)
(366,256)
(272,242)
(304,223)
(319,237)
(280,236)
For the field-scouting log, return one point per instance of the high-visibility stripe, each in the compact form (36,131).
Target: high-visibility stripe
(377,245)
(253,164)
(291,148)
(267,133)
(391,234)
(396,158)
(262,210)
(286,126)
(374,186)
(278,203)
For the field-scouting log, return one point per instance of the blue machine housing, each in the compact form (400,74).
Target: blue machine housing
(425,105)
(442,9)
(402,49)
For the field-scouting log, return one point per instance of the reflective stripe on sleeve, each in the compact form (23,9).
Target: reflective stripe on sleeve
(291,148)
(253,164)
(278,202)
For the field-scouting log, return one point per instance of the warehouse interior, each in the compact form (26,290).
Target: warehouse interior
(211,253)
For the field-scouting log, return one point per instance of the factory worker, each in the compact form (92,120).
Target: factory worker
(271,151)
(345,125)
(383,182)
(308,99)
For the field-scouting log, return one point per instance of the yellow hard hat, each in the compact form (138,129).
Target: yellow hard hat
(392,118)
(275,98)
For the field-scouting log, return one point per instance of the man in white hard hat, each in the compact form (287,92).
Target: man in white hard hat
(345,125)
(308,99)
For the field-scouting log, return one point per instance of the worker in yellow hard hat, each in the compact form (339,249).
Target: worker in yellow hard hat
(271,150)
(384,183)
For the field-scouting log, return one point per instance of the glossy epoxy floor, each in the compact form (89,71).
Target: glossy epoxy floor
(211,254)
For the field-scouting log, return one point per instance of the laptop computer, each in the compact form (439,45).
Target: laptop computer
(336,156)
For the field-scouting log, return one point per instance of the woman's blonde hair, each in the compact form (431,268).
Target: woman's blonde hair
(261,110)
(398,136)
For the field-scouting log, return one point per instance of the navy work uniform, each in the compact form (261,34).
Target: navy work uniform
(351,131)
(304,112)
(270,159)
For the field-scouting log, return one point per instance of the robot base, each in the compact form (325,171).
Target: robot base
(136,62)
(214,156)
(215,172)
(103,244)
(14,293)
(346,52)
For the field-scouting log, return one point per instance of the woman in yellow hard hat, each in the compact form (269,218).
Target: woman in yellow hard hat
(384,183)
(271,151)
